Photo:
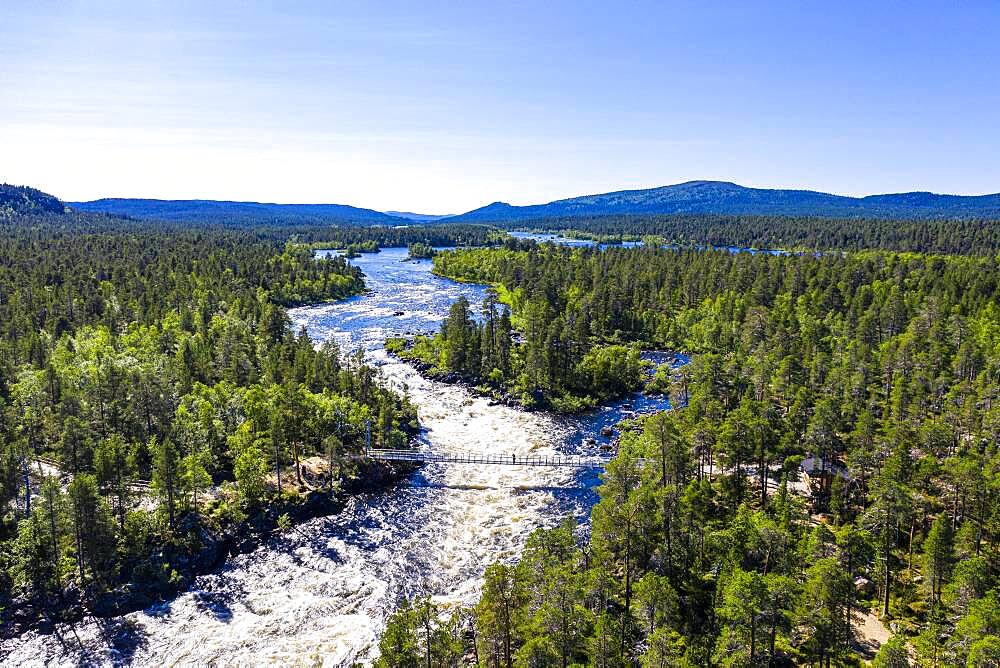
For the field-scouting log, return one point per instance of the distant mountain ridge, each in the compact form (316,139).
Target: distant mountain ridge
(692,197)
(218,210)
(721,197)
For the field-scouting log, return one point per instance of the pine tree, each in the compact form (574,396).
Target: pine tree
(38,549)
(166,475)
(114,463)
(892,654)
(938,557)
(740,607)
(496,616)
(826,599)
(93,529)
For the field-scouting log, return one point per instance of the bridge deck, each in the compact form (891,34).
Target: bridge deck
(476,458)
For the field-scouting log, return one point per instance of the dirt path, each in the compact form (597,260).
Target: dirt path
(870,634)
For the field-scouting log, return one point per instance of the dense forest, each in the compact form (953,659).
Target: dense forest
(834,457)
(959,236)
(153,398)
(443,234)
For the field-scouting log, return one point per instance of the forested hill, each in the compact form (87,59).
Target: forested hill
(215,211)
(717,197)
(22,199)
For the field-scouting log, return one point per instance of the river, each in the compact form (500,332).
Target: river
(320,593)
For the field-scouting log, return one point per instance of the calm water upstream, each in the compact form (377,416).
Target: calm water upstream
(320,593)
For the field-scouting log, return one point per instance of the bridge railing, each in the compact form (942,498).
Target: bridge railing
(480,458)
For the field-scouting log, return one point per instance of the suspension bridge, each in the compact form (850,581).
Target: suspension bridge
(421,457)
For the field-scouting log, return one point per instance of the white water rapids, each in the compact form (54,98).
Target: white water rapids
(320,593)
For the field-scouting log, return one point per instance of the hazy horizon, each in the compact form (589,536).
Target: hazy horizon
(446,109)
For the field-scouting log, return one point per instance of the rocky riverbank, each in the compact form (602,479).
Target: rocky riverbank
(400,348)
(495,395)
(194,548)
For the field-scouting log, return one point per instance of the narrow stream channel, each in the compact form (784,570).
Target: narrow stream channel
(320,593)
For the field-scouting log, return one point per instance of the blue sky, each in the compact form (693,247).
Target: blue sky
(443,107)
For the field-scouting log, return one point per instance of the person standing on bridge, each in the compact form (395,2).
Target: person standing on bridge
(513,458)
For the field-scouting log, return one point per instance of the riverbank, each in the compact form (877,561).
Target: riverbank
(198,545)
(567,405)
(652,377)
(430,372)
